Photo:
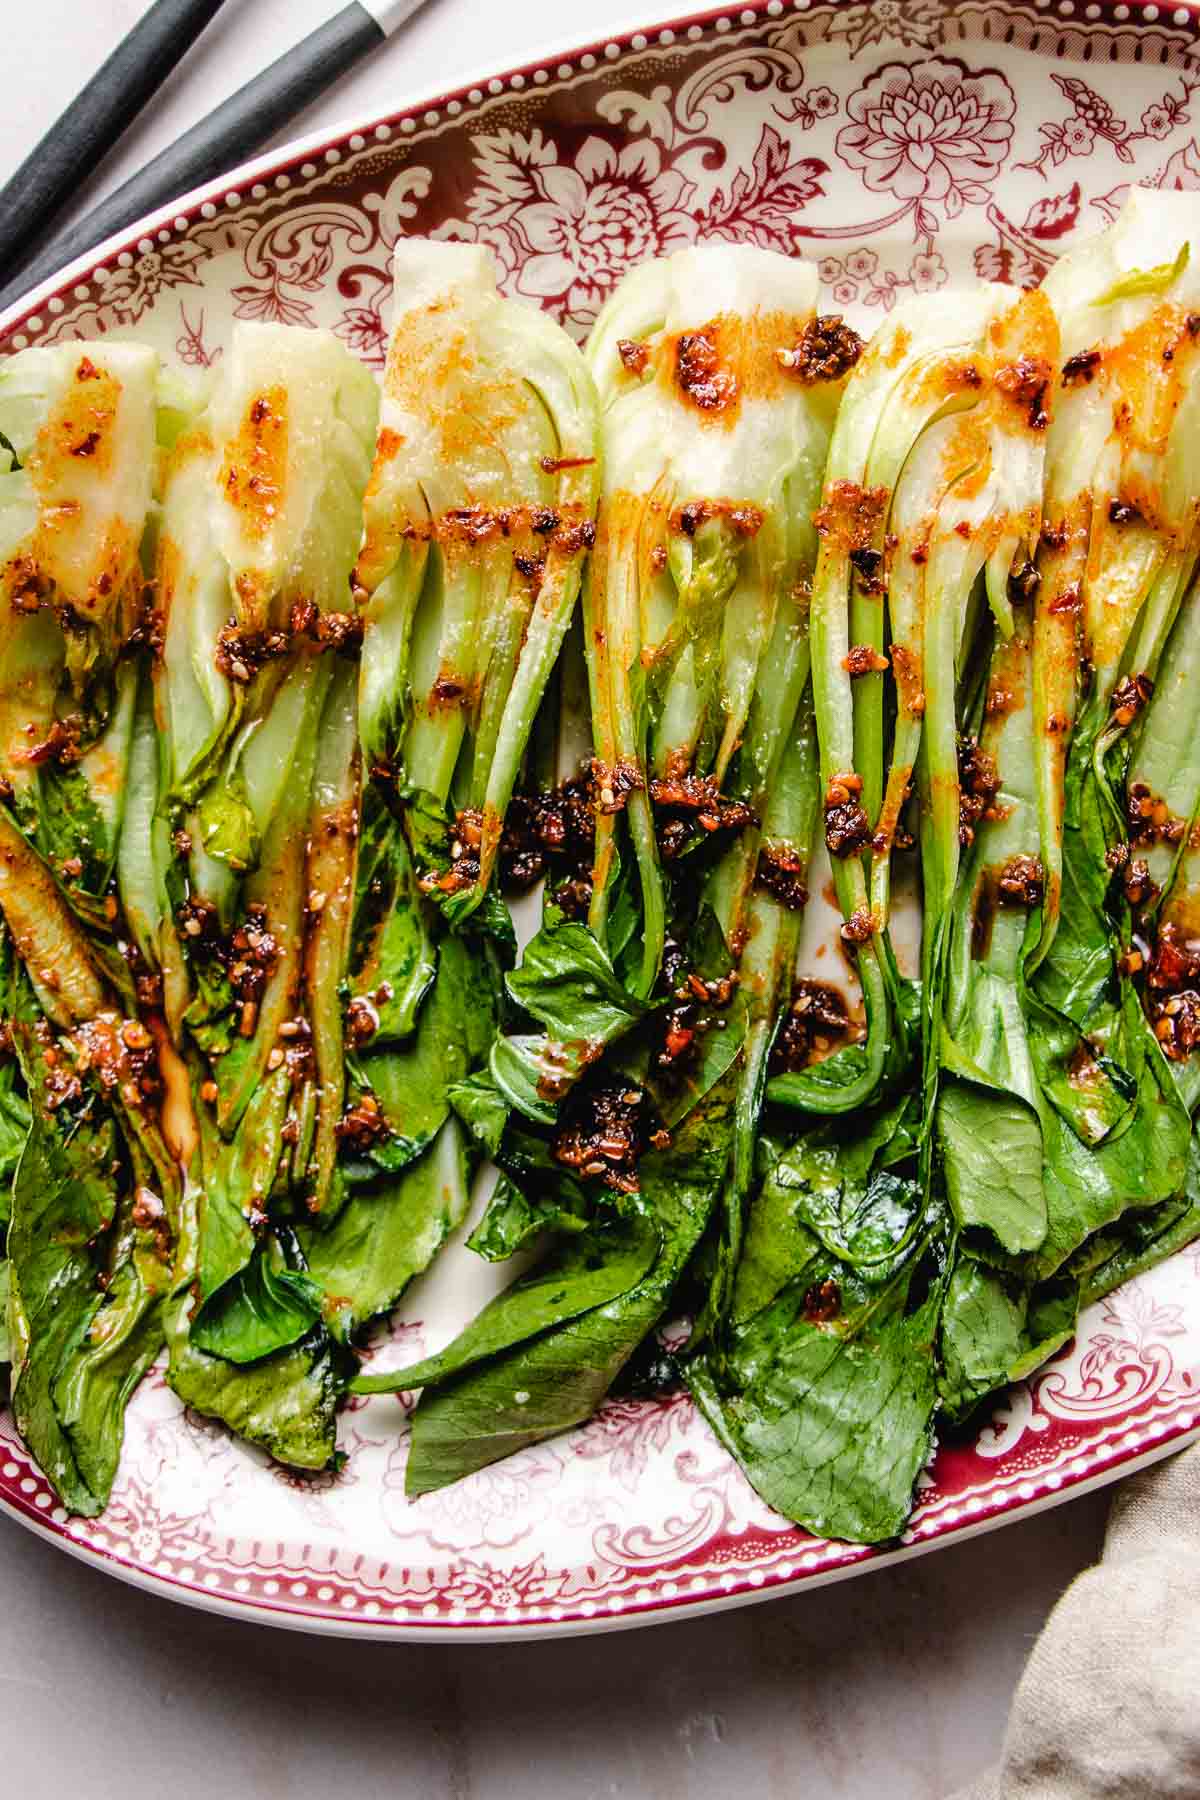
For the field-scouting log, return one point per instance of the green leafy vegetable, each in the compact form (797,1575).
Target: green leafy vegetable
(533,1390)
(567,984)
(61,1199)
(832,1426)
(263,1308)
(584,1272)
(512,1221)
(286,1403)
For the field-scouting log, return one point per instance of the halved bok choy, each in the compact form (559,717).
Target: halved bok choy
(477,521)
(245,749)
(717,385)
(696,636)
(90,1192)
(1119,548)
(930,510)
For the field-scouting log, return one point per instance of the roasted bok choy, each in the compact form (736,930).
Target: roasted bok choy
(625,1123)
(245,749)
(478,516)
(928,522)
(303,680)
(90,1189)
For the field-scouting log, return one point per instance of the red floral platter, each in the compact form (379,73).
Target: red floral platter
(902,144)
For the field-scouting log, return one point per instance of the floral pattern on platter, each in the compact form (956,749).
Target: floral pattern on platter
(638,1510)
(1092,119)
(902,145)
(857,280)
(787,133)
(627,1431)
(567,232)
(934,134)
(579,225)
(912,24)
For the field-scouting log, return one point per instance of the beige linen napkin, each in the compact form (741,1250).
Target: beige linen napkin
(1108,1707)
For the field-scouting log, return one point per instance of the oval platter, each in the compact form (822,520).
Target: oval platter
(901,144)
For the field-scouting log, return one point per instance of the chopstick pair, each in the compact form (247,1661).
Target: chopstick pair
(90,127)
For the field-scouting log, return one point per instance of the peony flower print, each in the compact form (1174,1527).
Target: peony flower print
(596,218)
(935,134)
(495,1507)
(564,232)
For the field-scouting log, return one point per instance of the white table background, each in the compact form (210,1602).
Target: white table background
(893,1686)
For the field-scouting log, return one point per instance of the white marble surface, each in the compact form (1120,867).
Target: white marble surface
(890,1687)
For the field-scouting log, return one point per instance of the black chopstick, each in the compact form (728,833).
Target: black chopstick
(238,127)
(95,119)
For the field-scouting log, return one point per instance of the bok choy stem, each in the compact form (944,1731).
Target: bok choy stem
(715,418)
